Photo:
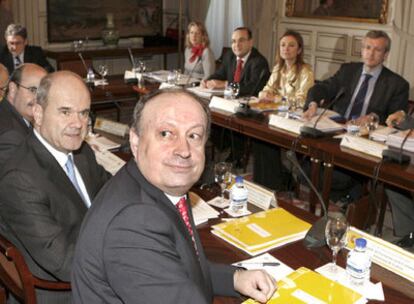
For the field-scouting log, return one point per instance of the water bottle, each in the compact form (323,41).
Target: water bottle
(358,264)
(228,92)
(238,196)
(90,77)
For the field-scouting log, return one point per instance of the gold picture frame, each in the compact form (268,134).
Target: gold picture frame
(371,11)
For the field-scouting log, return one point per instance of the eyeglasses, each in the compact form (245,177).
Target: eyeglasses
(32,90)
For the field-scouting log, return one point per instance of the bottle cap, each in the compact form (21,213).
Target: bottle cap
(360,243)
(239,179)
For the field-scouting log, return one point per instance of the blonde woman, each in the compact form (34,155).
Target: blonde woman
(199,59)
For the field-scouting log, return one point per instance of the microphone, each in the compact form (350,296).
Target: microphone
(398,156)
(316,234)
(83,62)
(244,108)
(313,132)
(90,75)
(190,75)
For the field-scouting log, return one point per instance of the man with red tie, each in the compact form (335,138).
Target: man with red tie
(245,65)
(139,244)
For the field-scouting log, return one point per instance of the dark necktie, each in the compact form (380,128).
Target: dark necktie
(17,61)
(183,210)
(70,169)
(237,73)
(360,98)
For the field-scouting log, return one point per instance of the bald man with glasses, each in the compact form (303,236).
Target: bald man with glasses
(16,109)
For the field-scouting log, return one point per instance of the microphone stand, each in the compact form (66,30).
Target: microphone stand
(192,71)
(397,156)
(316,235)
(313,132)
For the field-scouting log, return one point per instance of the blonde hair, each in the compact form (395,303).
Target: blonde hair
(205,41)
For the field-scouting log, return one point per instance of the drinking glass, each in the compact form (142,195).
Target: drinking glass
(235,89)
(222,176)
(172,77)
(103,71)
(335,233)
(139,70)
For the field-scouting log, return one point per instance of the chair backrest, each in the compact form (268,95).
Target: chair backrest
(16,278)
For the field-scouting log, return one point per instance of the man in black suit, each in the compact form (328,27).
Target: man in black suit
(16,110)
(253,67)
(138,242)
(246,66)
(47,185)
(18,51)
(368,88)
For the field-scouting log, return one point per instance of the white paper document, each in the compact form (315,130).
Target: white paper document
(102,143)
(109,161)
(363,145)
(202,212)
(266,261)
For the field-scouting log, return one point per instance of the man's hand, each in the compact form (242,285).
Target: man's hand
(311,111)
(213,84)
(395,118)
(256,284)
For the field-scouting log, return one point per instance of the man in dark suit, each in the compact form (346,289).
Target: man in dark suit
(138,242)
(366,89)
(16,110)
(244,65)
(49,182)
(401,201)
(18,51)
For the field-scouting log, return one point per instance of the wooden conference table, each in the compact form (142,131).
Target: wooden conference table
(396,289)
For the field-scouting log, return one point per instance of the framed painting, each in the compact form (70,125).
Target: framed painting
(373,11)
(80,19)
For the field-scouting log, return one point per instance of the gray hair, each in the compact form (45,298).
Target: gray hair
(144,100)
(380,34)
(15,30)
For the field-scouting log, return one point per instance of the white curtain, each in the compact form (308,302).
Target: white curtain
(402,47)
(222,18)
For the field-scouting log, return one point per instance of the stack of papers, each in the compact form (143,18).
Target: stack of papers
(162,76)
(307,286)
(381,133)
(202,212)
(262,231)
(206,93)
(324,124)
(101,143)
(396,139)
(109,161)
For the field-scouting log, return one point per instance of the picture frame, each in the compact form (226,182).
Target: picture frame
(79,19)
(371,11)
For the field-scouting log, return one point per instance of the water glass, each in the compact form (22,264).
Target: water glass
(103,71)
(222,176)
(335,233)
(235,89)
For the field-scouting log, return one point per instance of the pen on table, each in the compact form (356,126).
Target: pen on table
(263,264)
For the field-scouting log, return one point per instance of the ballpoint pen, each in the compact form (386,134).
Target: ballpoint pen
(262,264)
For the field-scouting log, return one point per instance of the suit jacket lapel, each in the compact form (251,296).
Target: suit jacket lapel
(16,116)
(379,90)
(55,172)
(82,164)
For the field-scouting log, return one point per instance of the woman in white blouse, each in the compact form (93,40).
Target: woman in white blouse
(199,59)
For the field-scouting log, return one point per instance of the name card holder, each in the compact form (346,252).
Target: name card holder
(111,127)
(385,254)
(260,196)
(363,145)
(287,124)
(225,105)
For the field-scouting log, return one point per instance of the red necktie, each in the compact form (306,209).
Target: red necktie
(183,210)
(237,73)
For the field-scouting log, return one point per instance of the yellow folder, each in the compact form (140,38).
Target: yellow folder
(307,286)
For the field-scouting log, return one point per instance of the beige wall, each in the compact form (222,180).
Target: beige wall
(327,43)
